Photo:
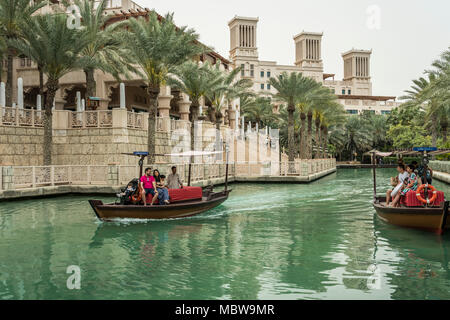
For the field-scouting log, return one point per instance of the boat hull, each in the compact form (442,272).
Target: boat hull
(107,212)
(412,217)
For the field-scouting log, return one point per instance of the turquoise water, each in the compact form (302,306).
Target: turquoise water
(317,241)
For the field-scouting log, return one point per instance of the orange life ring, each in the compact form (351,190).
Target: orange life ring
(426,201)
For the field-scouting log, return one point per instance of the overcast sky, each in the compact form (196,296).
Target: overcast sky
(406,38)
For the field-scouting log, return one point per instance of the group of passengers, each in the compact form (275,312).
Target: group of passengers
(409,179)
(152,182)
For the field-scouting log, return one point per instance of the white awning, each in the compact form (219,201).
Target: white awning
(194,153)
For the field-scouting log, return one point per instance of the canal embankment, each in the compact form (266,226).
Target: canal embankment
(441,170)
(363,166)
(36,182)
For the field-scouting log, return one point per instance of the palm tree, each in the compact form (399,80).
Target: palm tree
(379,128)
(258,110)
(317,101)
(331,117)
(326,108)
(282,123)
(292,89)
(104,52)
(416,97)
(359,135)
(56,49)
(158,48)
(226,88)
(192,79)
(438,90)
(12,15)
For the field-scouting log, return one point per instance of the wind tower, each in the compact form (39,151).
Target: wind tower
(308,54)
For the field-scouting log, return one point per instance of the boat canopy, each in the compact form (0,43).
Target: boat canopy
(193,153)
(378,153)
(413,152)
(418,152)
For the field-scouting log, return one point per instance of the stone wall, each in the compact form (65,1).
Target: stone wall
(441,166)
(21,146)
(97,146)
(88,146)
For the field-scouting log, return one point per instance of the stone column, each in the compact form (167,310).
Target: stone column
(232,117)
(120,118)
(2,95)
(78,101)
(20,92)
(164,99)
(122,96)
(38,103)
(7,178)
(184,106)
(59,101)
(61,119)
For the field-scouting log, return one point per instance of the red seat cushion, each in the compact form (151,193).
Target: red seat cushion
(178,195)
(410,200)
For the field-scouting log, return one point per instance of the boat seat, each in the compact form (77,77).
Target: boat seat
(410,200)
(179,195)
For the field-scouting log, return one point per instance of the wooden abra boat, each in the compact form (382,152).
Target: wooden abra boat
(428,217)
(210,200)
(186,202)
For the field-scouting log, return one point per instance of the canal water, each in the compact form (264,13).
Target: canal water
(268,241)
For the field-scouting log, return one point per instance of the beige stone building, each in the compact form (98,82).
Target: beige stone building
(354,91)
(172,103)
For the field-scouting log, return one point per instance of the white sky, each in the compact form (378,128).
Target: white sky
(411,34)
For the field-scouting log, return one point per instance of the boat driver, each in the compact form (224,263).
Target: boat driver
(148,186)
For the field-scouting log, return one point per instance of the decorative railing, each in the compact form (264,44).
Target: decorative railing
(164,124)
(20,117)
(21,177)
(135,120)
(88,119)
(39,176)
(180,125)
(91,119)
(302,168)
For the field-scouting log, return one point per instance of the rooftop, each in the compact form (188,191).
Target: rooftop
(374,98)
(243,18)
(353,50)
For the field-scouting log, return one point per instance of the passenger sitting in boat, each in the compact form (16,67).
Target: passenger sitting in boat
(125,195)
(148,186)
(162,190)
(402,175)
(420,171)
(411,184)
(164,187)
